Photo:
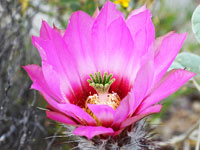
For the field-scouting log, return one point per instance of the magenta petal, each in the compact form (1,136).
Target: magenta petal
(78,55)
(36,75)
(142,30)
(78,39)
(52,79)
(123,110)
(121,55)
(79,113)
(60,118)
(60,31)
(143,82)
(108,14)
(137,11)
(71,110)
(49,85)
(104,113)
(45,31)
(146,112)
(96,13)
(152,109)
(122,61)
(90,131)
(59,57)
(39,82)
(57,54)
(166,48)
(171,82)
(40,49)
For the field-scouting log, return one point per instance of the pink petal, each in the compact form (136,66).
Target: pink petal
(142,30)
(60,118)
(57,53)
(61,60)
(171,82)
(104,113)
(120,50)
(39,48)
(45,31)
(90,131)
(71,110)
(143,83)
(123,62)
(78,39)
(96,13)
(116,132)
(52,79)
(39,82)
(137,11)
(166,48)
(146,112)
(99,30)
(123,110)
(62,32)
(36,75)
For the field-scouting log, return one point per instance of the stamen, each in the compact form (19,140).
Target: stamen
(112,100)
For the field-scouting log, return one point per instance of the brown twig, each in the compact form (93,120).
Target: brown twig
(196,84)
(198,139)
(179,139)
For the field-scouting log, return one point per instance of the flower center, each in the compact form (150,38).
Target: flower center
(103,97)
(101,85)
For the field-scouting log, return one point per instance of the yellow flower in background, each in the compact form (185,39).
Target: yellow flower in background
(24,4)
(123,3)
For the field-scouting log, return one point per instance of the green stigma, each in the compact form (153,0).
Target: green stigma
(99,83)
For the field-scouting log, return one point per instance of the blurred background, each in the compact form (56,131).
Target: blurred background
(23,125)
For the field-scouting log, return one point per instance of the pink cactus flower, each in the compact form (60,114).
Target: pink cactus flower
(106,72)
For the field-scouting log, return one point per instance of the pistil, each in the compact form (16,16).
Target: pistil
(101,85)
(103,97)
